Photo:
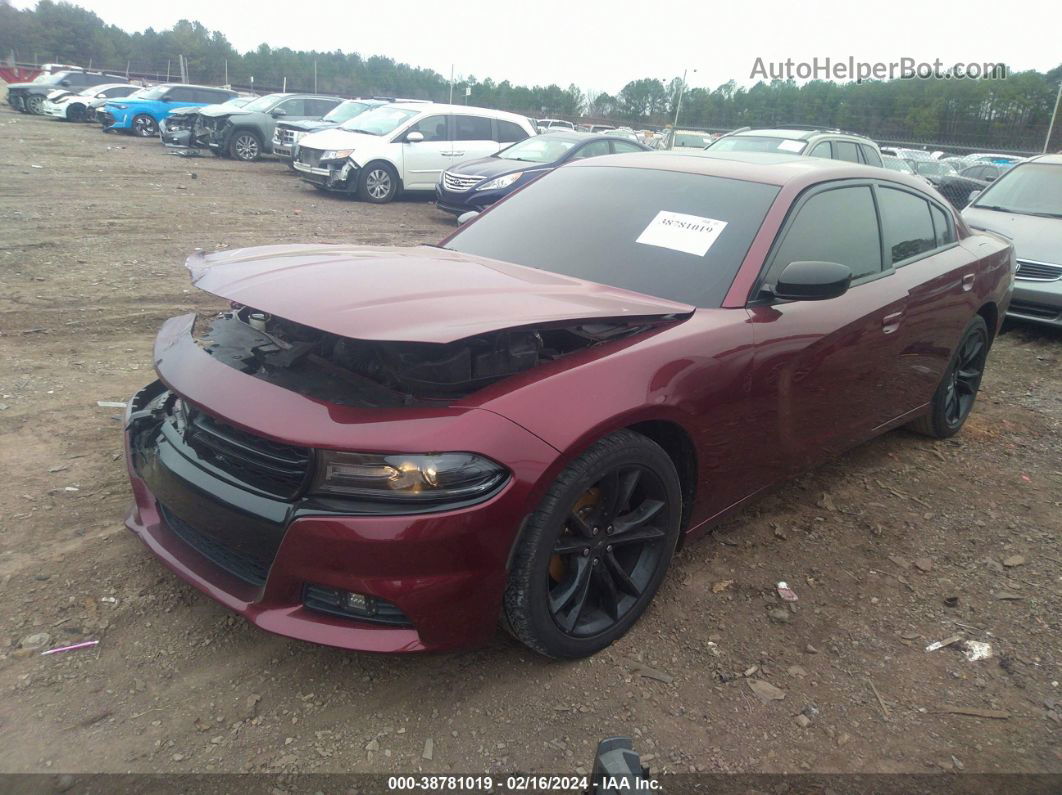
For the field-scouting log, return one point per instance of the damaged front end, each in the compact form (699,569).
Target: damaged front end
(176,130)
(329,169)
(386,374)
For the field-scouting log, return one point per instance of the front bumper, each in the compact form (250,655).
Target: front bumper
(1037,302)
(463,202)
(115,119)
(181,138)
(56,110)
(337,176)
(255,554)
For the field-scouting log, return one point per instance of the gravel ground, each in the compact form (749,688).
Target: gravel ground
(899,543)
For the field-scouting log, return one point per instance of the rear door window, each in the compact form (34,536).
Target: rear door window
(837,225)
(181,94)
(846,150)
(908,226)
(472,128)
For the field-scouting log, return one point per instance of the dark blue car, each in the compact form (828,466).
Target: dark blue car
(477,184)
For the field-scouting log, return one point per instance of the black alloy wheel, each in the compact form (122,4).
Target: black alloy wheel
(593,555)
(75,112)
(955,396)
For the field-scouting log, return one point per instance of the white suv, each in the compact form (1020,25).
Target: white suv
(403,146)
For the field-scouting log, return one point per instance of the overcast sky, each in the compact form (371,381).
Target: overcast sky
(601,45)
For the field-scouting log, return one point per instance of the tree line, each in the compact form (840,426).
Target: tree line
(993,114)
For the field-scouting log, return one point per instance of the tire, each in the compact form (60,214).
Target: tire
(245,145)
(377,183)
(585,570)
(144,126)
(955,396)
(75,112)
(34,104)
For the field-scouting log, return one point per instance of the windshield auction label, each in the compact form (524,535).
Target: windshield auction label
(680,232)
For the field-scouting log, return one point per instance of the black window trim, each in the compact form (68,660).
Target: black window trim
(809,193)
(928,200)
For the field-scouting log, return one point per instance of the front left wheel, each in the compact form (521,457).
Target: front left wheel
(377,183)
(595,551)
(245,145)
(145,126)
(35,104)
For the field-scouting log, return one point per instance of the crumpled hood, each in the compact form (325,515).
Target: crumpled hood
(218,111)
(1035,238)
(336,138)
(306,125)
(408,294)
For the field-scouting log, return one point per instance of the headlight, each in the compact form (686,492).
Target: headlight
(407,478)
(501,182)
(337,154)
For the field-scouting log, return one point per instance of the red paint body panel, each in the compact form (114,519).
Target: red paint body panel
(761,391)
(419,294)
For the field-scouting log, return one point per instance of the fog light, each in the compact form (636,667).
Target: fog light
(357,602)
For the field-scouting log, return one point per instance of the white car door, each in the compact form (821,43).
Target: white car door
(423,161)
(473,138)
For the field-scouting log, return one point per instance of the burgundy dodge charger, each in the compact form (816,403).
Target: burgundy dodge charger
(390,449)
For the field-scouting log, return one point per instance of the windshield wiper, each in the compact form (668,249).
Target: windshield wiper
(999,209)
(995,207)
(367,132)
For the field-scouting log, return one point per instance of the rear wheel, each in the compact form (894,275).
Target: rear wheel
(245,145)
(954,399)
(145,126)
(593,554)
(35,104)
(377,183)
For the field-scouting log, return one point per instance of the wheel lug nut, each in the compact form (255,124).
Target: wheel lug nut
(586,552)
(595,561)
(608,548)
(595,531)
(609,530)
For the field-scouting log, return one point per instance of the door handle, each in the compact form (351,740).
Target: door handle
(968,281)
(890,323)
(458,154)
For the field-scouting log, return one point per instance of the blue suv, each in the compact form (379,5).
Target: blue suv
(142,112)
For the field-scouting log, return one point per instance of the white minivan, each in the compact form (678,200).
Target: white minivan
(403,146)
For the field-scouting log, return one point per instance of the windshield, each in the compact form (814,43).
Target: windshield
(895,164)
(378,121)
(758,143)
(618,226)
(345,110)
(934,168)
(1027,189)
(264,103)
(537,150)
(236,102)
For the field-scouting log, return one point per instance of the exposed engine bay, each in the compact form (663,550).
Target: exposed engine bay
(377,374)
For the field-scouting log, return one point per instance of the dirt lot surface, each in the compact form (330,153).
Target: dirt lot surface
(900,543)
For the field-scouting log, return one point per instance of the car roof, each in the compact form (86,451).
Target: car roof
(572,135)
(797,135)
(1051,160)
(765,167)
(468,110)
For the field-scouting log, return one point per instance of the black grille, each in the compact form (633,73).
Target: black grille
(241,566)
(273,467)
(311,157)
(1036,310)
(329,600)
(1039,271)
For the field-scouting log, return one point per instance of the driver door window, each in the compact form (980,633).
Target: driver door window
(293,108)
(433,128)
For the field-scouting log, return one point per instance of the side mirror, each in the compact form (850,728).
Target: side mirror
(64,82)
(973,195)
(278,112)
(464,218)
(414,137)
(990,177)
(813,281)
